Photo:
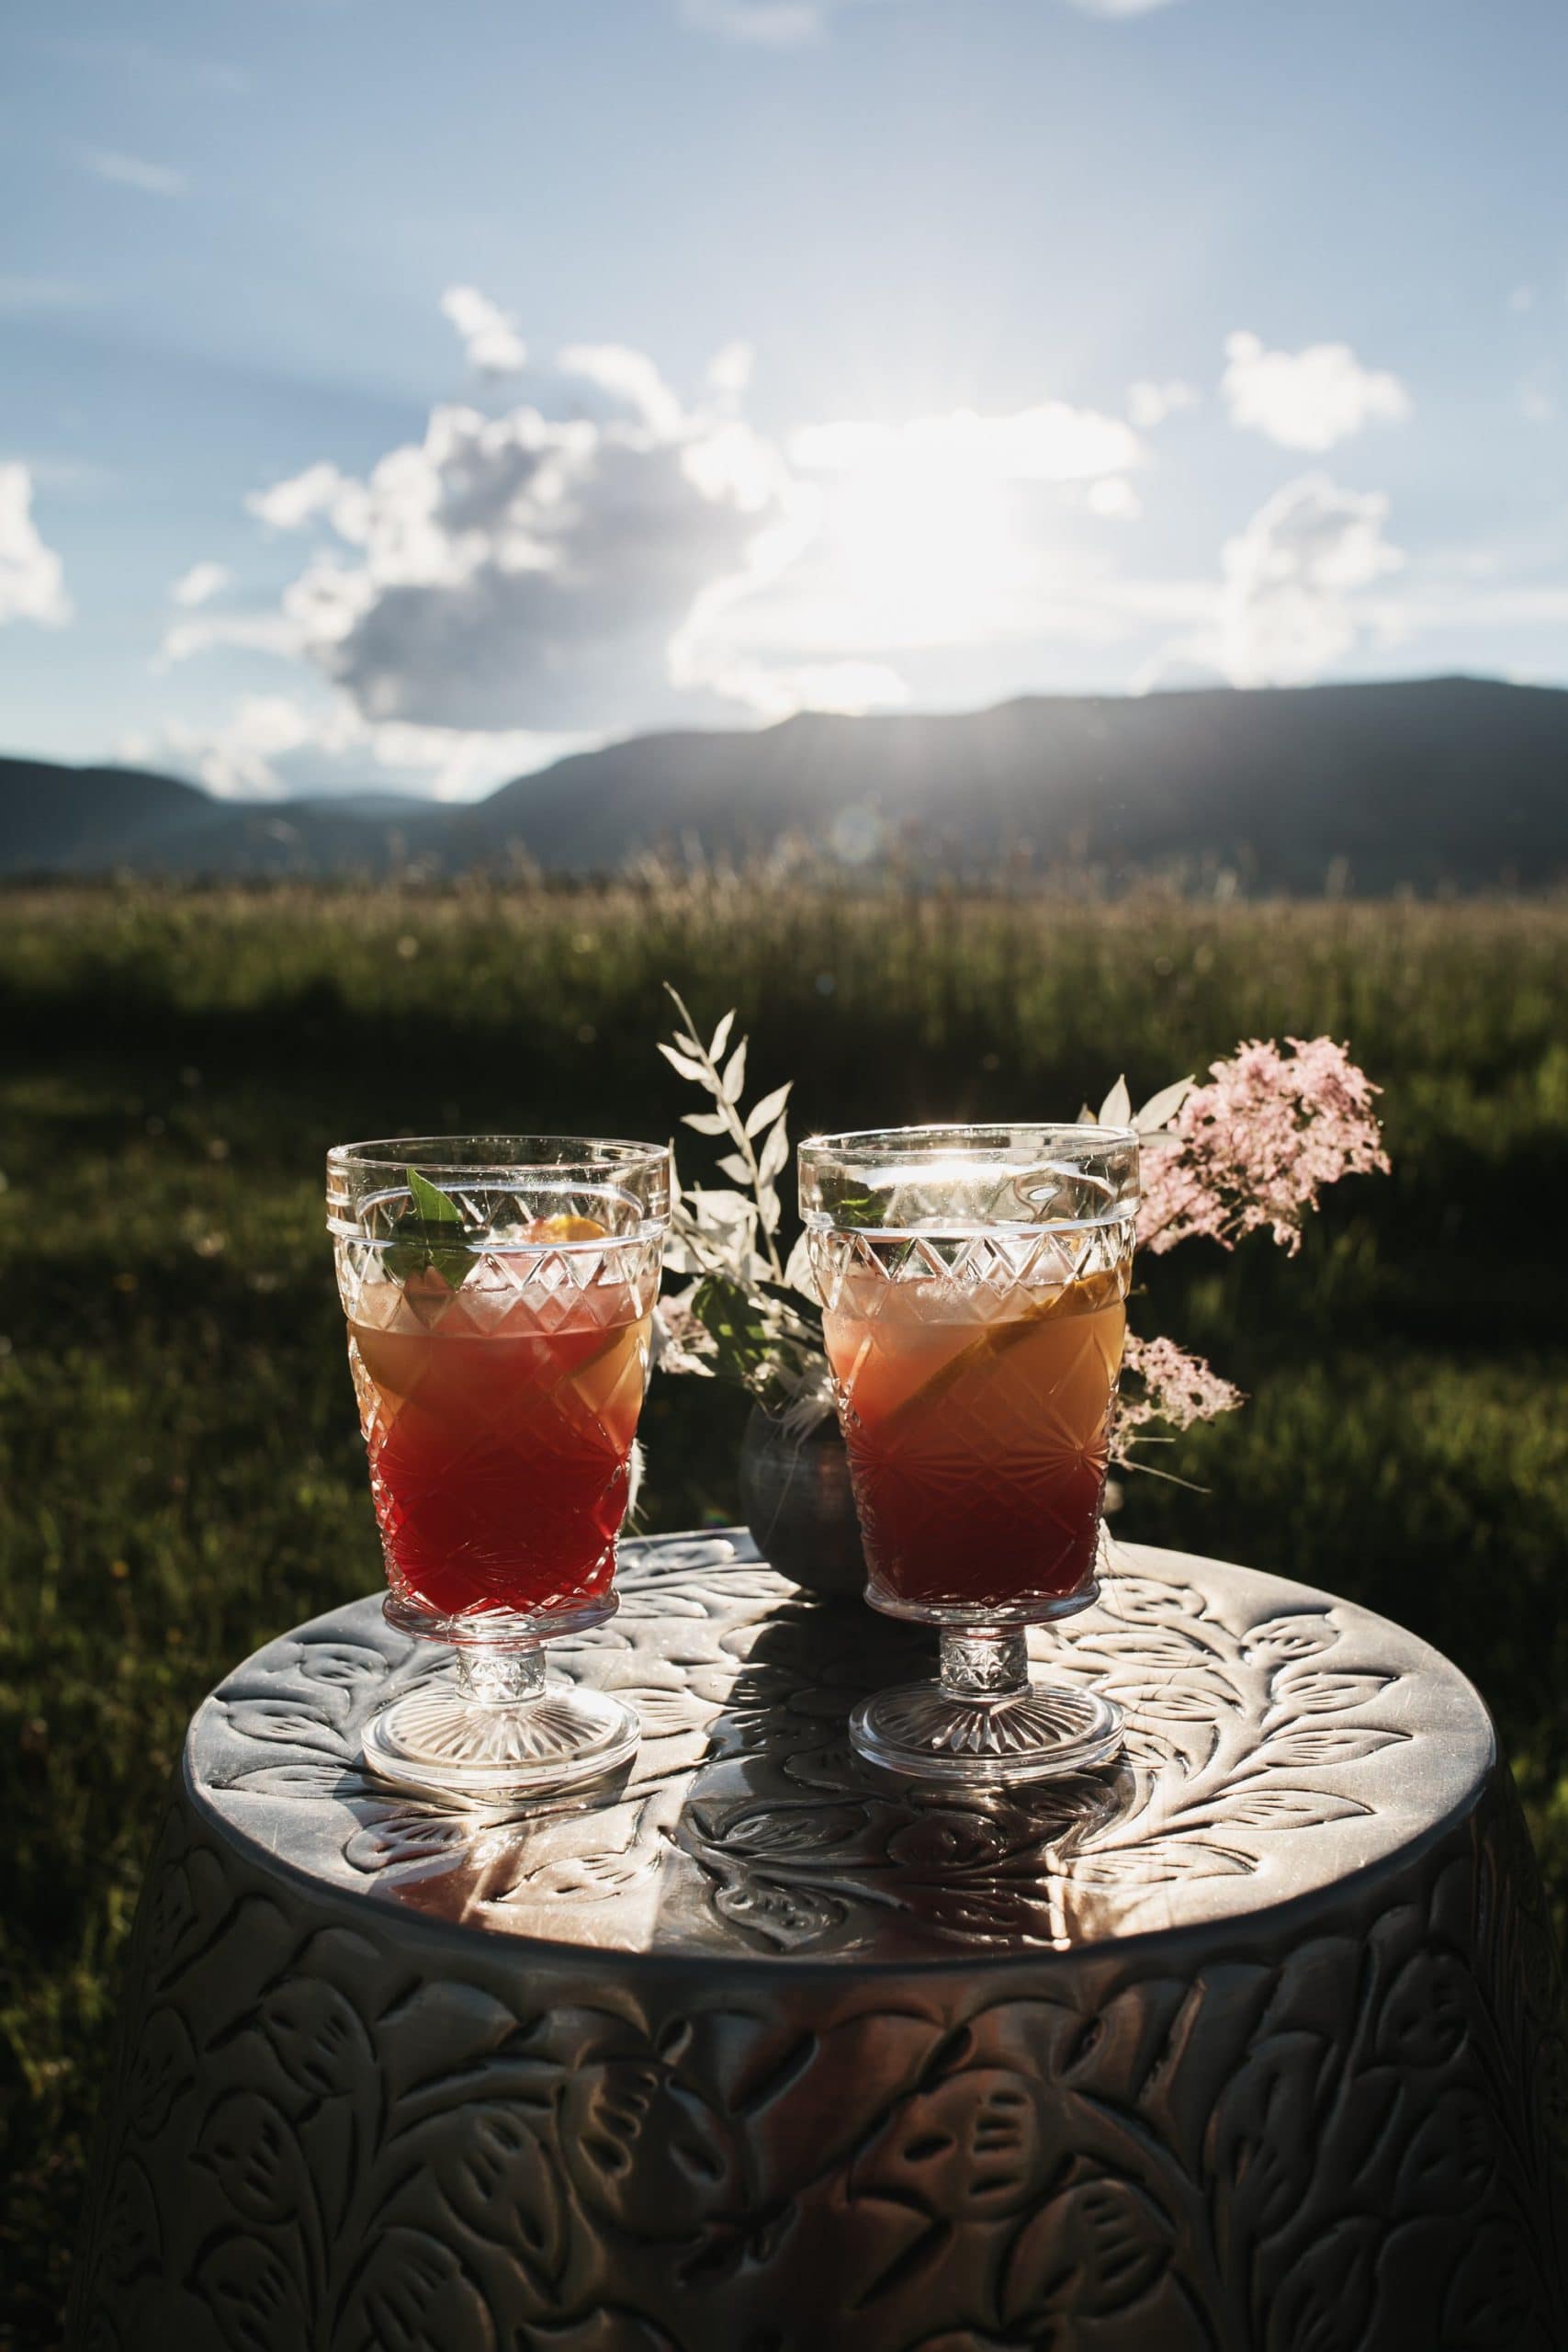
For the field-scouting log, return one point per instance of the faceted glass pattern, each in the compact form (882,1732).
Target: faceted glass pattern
(499,1316)
(973,1285)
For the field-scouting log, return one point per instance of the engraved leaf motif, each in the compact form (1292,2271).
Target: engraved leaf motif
(1323,2303)
(1193,1699)
(342,1663)
(1156,1860)
(1148,1602)
(496,2177)
(1327,1694)
(164,2067)
(790,1829)
(1449,2162)
(1269,1808)
(290,1721)
(1101,2243)
(132,2239)
(318,2038)
(417,2298)
(251,2293)
(1152,1646)
(1323,1744)
(252,2155)
(786,1914)
(1278,1638)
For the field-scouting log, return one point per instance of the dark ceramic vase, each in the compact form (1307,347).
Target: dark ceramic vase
(799,1505)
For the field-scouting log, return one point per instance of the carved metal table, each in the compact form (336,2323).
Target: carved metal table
(1252,2041)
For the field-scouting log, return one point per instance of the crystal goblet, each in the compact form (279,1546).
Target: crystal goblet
(973,1282)
(500,1293)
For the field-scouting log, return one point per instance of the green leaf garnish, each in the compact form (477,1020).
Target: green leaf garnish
(428,1247)
(435,1207)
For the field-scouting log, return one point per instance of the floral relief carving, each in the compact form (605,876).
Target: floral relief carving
(346,2116)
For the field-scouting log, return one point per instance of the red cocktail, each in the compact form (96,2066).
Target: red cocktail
(978,1427)
(500,1442)
(499,1292)
(973,1282)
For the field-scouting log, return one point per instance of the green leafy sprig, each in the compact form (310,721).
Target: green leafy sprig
(748,1316)
(425,1241)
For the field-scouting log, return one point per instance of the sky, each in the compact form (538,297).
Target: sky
(394,397)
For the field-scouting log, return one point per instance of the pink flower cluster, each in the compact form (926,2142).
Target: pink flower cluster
(1173,1388)
(1256,1147)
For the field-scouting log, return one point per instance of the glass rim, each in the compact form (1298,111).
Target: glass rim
(461,1155)
(896,1144)
(1100,1159)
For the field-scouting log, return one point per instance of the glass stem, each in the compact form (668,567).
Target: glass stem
(984,1661)
(499,1678)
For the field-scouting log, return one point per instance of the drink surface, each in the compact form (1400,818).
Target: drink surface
(500,1429)
(977,1425)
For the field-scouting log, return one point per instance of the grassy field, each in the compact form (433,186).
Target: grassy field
(180,1475)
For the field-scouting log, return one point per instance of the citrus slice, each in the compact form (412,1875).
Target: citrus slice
(995,1339)
(566,1229)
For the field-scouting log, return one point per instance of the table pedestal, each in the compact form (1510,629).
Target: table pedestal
(1252,2041)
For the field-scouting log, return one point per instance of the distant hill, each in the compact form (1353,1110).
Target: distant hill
(1452,781)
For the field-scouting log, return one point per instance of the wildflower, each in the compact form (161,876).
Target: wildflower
(1168,1386)
(1254,1149)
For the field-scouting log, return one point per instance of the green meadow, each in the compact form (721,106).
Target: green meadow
(180,1470)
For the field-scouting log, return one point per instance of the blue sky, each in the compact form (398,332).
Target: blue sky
(397,396)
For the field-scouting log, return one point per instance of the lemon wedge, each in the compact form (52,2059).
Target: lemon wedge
(567,1228)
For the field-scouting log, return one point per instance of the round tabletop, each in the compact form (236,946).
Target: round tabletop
(1277,1740)
(1250,2043)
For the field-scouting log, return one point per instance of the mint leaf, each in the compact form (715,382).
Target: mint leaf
(435,1207)
(428,1246)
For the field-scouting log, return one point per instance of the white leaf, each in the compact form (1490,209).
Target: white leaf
(775,1154)
(1161,1108)
(768,1108)
(1086,1117)
(725,1210)
(733,1165)
(735,1073)
(687,1067)
(797,1268)
(706,1123)
(721,1037)
(768,1206)
(1117,1108)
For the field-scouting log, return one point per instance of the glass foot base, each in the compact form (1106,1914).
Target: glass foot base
(1032,1733)
(441,1741)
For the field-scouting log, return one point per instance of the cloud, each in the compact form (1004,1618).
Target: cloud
(629,378)
(766,24)
(1307,400)
(490,334)
(1051,443)
(795,24)
(1290,603)
(131,171)
(1148,404)
(729,370)
(1115,499)
(319,490)
(199,584)
(1536,396)
(32,581)
(272,746)
(521,571)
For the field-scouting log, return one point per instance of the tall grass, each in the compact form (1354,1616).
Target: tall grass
(179,1472)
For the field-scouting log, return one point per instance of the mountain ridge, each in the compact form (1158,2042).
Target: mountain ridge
(1449,781)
